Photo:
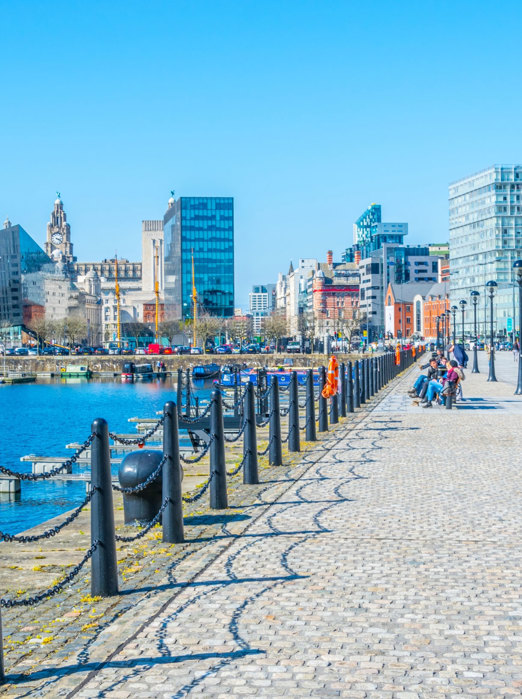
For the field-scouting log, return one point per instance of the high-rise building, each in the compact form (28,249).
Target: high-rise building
(485,221)
(10,276)
(261,302)
(371,233)
(199,235)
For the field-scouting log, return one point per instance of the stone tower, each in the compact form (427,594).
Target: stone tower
(58,243)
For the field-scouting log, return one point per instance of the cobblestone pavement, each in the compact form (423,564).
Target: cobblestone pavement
(386,565)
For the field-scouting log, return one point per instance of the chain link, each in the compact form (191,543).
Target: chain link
(199,456)
(264,395)
(284,412)
(149,526)
(29,601)
(138,440)
(265,451)
(141,486)
(29,538)
(238,435)
(239,467)
(199,418)
(201,492)
(53,472)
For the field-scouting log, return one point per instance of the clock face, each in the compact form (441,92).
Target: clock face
(56,238)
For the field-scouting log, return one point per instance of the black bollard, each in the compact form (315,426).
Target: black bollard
(349,388)
(218,465)
(264,398)
(342,389)
(334,409)
(2,672)
(368,378)
(179,393)
(293,415)
(250,474)
(373,374)
(236,394)
(323,407)
(362,380)
(449,401)
(311,435)
(104,569)
(172,518)
(187,395)
(356,387)
(275,452)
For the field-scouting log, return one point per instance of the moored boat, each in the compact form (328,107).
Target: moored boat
(76,370)
(206,371)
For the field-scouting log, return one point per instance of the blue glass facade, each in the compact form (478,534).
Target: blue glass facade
(204,227)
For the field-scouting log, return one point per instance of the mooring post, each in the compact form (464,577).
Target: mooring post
(342,387)
(218,464)
(349,388)
(172,517)
(311,435)
(250,473)
(356,386)
(334,409)
(323,406)
(187,395)
(104,570)
(293,415)
(275,452)
(179,393)
(362,381)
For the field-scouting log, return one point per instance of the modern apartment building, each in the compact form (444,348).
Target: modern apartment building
(199,229)
(261,303)
(485,222)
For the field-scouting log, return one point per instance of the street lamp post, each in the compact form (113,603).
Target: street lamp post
(454,323)
(437,318)
(445,323)
(491,286)
(474,298)
(462,305)
(517,266)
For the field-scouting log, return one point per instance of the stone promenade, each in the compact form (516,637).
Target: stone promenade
(386,562)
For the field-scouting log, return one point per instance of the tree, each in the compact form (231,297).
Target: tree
(207,327)
(351,323)
(240,329)
(275,327)
(75,329)
(136,330)
(171,328)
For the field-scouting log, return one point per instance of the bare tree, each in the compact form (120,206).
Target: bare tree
(207,327)
(171,328)
(75,329)
(351,323)
(275,327)
(240,329)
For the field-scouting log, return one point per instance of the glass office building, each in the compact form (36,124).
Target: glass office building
(201,228)
(485,220)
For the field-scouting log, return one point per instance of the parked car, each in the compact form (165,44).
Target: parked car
(223,349)
(61,351)
(140,350)
(115,350)
(21,351)
(9,352)
(196,350)
(293,347)
(101,350)
(32,351)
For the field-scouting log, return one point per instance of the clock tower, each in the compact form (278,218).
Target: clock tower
(58,244)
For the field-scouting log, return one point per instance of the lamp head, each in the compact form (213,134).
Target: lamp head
(463,303)
(454,309)
(491,286)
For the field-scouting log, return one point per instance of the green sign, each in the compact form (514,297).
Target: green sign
(509,325)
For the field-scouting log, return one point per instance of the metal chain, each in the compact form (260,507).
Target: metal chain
(53,472)
(149,526)
(235,405)
(199,418)
(141,486)
(29,601)
(238,435)
(284,388)
(26,539)
(302,405)
(199,456)
(201,492)
(265,422)
(138,440)
(239,467)
(264,395)
(265,451)
(284,412)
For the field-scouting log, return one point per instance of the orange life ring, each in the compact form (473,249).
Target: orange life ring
(332,378)
(398,355)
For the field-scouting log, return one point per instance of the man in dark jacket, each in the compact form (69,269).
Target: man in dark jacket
(460,355)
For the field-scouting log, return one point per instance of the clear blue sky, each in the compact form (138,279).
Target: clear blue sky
(304,111)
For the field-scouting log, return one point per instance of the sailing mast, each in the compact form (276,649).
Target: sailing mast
(194,303)
(156,289)
(117,292)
